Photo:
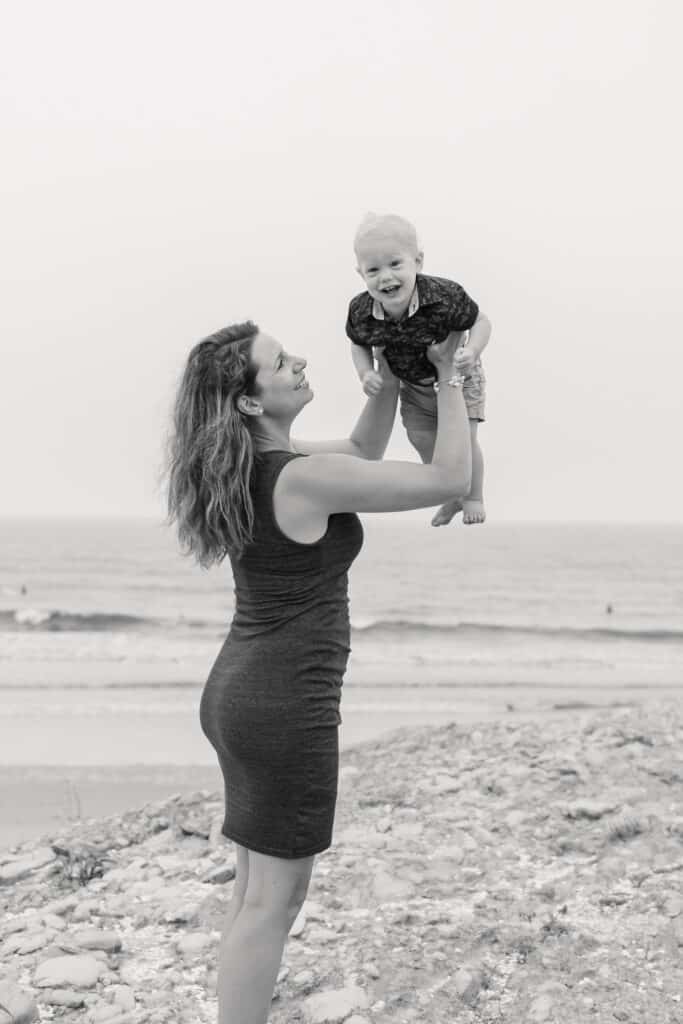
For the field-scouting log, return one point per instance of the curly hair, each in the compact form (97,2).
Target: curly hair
(210,449)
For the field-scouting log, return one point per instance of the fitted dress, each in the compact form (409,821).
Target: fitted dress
(270,706)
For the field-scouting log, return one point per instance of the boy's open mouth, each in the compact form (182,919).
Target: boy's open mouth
(391,289)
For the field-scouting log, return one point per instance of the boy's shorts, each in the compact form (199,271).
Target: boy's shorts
(417,402)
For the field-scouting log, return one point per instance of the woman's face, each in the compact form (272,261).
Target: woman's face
(281,384)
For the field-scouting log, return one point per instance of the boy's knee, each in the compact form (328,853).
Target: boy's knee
(423,443)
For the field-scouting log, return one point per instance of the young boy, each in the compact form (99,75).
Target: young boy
(404,311)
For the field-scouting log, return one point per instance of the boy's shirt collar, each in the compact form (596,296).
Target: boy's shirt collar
(413,305)
(422,295)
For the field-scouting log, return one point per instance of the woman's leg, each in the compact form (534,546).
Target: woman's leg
(251,954)
(239,889)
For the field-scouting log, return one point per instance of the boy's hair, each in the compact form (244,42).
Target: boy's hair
(391,223)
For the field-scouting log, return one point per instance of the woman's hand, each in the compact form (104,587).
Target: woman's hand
(383,367)
(443,354)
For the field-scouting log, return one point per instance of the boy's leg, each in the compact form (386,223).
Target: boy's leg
(417,406)
(418,412)
(473,510)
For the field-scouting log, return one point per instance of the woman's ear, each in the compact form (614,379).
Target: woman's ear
(249,406)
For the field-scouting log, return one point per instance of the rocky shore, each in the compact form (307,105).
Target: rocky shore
(513,872)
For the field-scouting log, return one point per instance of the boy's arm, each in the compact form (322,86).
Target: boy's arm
(362,359)
(480,332)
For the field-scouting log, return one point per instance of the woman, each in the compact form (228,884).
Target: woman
(284,513)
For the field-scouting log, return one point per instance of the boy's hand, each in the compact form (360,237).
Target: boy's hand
(372,382)
(464,360)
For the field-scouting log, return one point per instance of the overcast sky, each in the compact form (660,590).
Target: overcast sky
(169,168)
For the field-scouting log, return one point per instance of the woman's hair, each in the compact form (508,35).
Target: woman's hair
(210,449)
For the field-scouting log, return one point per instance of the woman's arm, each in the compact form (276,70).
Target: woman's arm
(309,490)
(370,436)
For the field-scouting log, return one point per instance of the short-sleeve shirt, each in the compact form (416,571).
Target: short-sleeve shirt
(437,307)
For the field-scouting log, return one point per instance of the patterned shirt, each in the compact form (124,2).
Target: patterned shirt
(437,307)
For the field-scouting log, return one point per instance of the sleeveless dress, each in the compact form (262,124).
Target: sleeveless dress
(270,706)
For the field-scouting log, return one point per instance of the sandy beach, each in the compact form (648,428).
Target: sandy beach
(508,871)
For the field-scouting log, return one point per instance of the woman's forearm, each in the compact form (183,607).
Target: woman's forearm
(362,359)
(372,431)
(453,447)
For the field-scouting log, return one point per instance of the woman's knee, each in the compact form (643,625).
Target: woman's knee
(277,887)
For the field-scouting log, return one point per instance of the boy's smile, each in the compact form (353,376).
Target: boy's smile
(389,268)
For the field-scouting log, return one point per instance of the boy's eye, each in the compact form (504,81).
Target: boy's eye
(396,263)
(371,270)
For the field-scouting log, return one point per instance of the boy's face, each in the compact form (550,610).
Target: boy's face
(388,264)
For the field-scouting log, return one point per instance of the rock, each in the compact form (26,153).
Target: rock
(24,943)
(590,809)
(299,923)
(356,1019)
(443,784)
(674,905)
(16,1006)
(124,996)
(66,971)
(335,1005)
(16,869)
(304,979)
(219,875)
(193,944)
(408,829)
(468,984)
(108,1014)
(540,1009)
(388,887)
(92,938)
(85,910)
(62,997)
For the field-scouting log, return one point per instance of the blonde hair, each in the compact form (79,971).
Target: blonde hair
(210,449)
(388,223)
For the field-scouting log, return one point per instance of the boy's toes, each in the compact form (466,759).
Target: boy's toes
(473,512)
(443,515)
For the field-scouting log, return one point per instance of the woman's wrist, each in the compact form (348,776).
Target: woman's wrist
(455,380)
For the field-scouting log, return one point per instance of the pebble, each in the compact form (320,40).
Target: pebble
(62,997)
(335,1005)
(193,944)
(468,984)
(219,875)
(16,1005)
(81,971)
(13,870)
(540,1009)
(92,938)
(299,923)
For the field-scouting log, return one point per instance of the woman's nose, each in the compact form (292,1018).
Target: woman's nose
(301,363)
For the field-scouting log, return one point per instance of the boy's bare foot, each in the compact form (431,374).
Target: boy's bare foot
(473,511)
(443,515)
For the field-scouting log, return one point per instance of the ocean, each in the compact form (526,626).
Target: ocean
(107,632)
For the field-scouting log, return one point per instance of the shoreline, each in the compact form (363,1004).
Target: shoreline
(37,799)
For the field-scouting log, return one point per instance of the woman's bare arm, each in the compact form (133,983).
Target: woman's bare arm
(370,436)
(309,490)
